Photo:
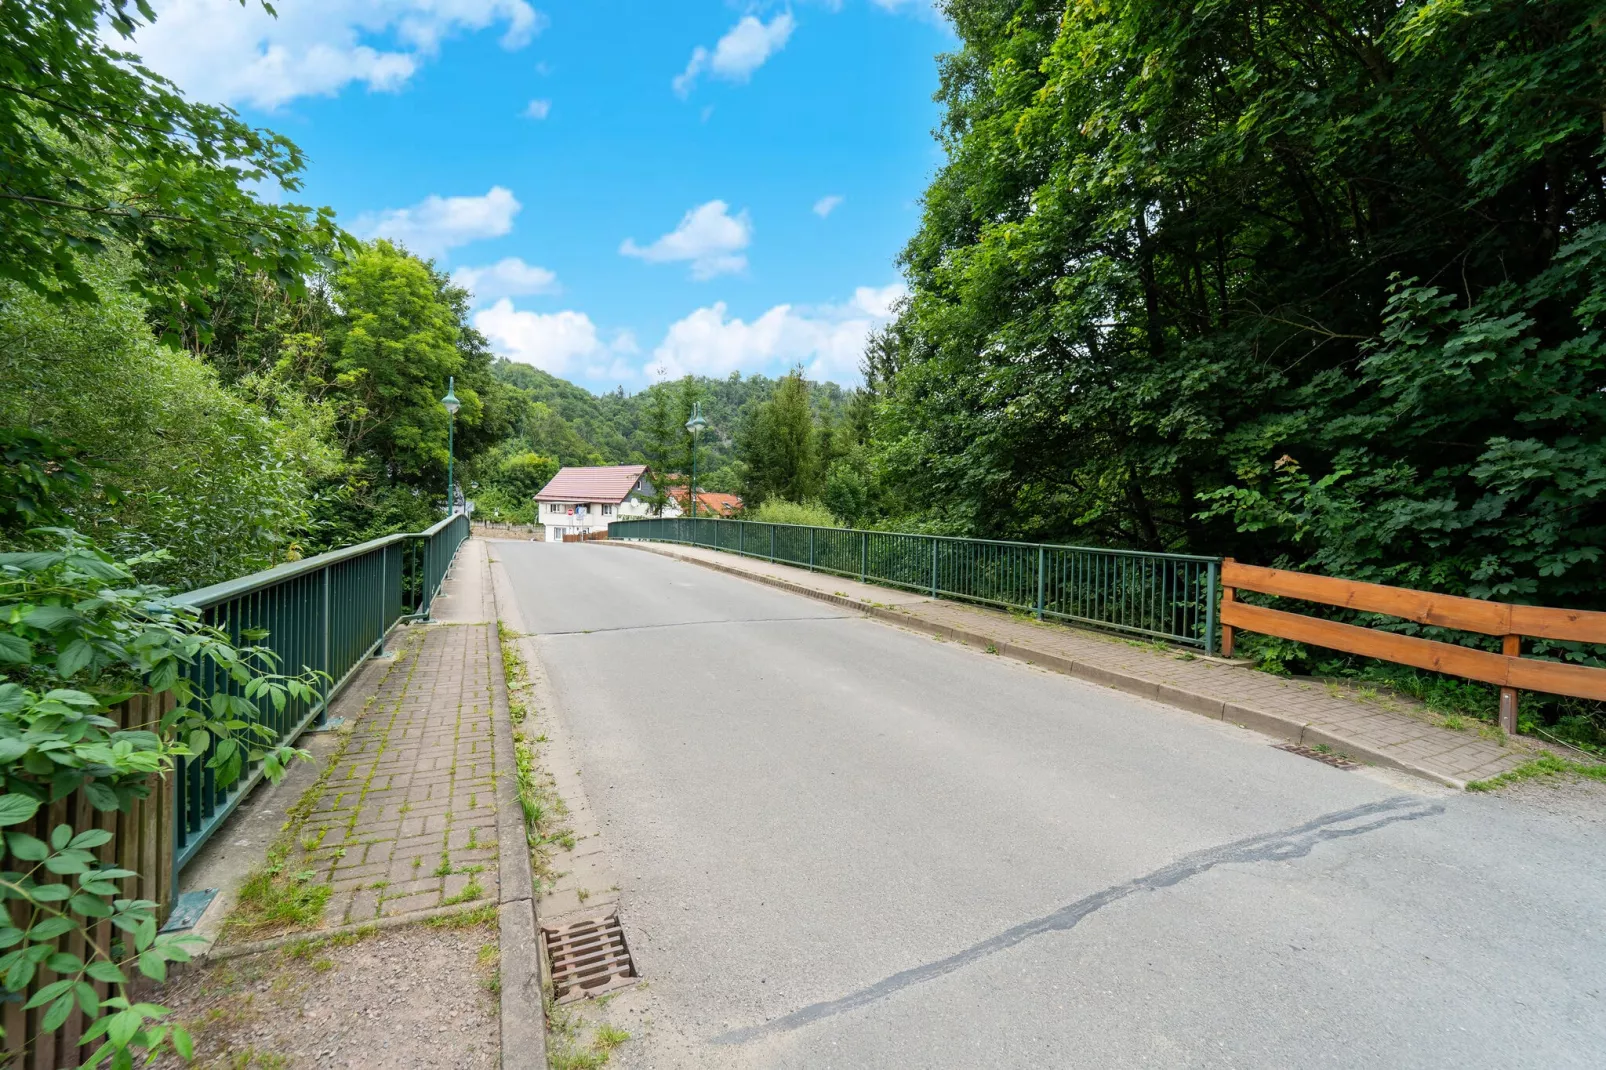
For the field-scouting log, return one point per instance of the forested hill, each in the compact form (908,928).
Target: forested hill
(571,425)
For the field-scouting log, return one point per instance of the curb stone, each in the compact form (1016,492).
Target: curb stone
(1288,729)
(523,1012)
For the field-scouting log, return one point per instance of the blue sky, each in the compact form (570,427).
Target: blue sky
(631,189)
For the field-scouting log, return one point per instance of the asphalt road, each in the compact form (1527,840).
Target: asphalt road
(846,845)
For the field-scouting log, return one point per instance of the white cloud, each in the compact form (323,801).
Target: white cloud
(828,340)
(742,50)
(826,205)
(708,236)
(508,277)
(551,341)
(538,109)
(218,51)
(436,224)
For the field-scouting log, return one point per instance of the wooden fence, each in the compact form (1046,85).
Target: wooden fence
(142,841)
(600,535)
(1508,670)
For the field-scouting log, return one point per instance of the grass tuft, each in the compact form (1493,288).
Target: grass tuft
(1547,765)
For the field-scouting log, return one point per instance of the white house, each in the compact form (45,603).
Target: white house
(582,500)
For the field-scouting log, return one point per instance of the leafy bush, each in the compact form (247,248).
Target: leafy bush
(201,472)
(809,514)
(78,636)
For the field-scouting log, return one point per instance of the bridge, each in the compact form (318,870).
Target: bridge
(829,798)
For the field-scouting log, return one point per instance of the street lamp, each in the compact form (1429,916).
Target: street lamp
(451,405)
(694,425)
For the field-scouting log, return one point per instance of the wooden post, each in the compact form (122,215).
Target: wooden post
(1228,594)
(1511,647)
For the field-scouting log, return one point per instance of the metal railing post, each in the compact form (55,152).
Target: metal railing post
(328,680)
(1210,609)
(934,568)
(864,555)
(1040,554)
(811,549)
(772,544)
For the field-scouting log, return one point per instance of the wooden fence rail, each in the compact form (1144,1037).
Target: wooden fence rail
(1508,670)
(142,841)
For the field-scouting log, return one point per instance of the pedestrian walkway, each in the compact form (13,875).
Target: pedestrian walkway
(1373,727)
(403,820)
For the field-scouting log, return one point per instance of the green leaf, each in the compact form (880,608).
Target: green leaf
(108,972)
(63,962)
(50,928)
(100,796)
(26,847)
(92,906)
(49,618)
(57,1014)
(153,966)
(60,836)
(123,1026)
(182,1043)
(90,838)
(47,993)
(73,658)
(12,749)
(14,650)
(51,893)
(16,808)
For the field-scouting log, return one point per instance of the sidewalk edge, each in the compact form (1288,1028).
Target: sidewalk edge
(523,1011)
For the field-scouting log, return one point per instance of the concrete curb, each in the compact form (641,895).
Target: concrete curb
(523,1011)
(1266,722)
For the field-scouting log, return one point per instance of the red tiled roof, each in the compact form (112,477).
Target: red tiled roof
(710,502)
(611,483)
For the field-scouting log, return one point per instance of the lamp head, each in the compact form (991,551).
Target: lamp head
(450,400)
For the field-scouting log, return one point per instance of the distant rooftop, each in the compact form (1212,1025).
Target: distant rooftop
(608,483)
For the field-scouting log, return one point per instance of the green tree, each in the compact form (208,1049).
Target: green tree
(97,151)
(1318,282)
(660,440)
(778,446)
(175,461)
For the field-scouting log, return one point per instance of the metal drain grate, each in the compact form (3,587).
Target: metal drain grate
(587,957)
(1337,761)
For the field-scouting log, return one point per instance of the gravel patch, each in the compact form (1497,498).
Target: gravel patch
(416,996)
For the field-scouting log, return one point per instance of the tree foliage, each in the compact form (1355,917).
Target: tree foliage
(97,151)
(1317,281)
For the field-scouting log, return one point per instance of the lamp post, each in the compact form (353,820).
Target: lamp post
(451,405)
(694,425)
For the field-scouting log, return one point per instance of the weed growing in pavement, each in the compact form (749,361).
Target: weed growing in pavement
(542,807)
(568,1048)
(272,898)
(1547,765)
(445,868)
(467,919)
(1454,723)
(991,648)
(471,891)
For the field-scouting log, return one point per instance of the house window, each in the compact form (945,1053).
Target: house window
(607,510)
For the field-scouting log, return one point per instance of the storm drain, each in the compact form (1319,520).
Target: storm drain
(1337,761)
(587,957)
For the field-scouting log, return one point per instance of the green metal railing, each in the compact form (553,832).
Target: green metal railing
(327,614)
(1171,597)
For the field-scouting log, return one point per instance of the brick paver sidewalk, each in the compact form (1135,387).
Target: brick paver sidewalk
(406,820)
(1380,729)
(404,817)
